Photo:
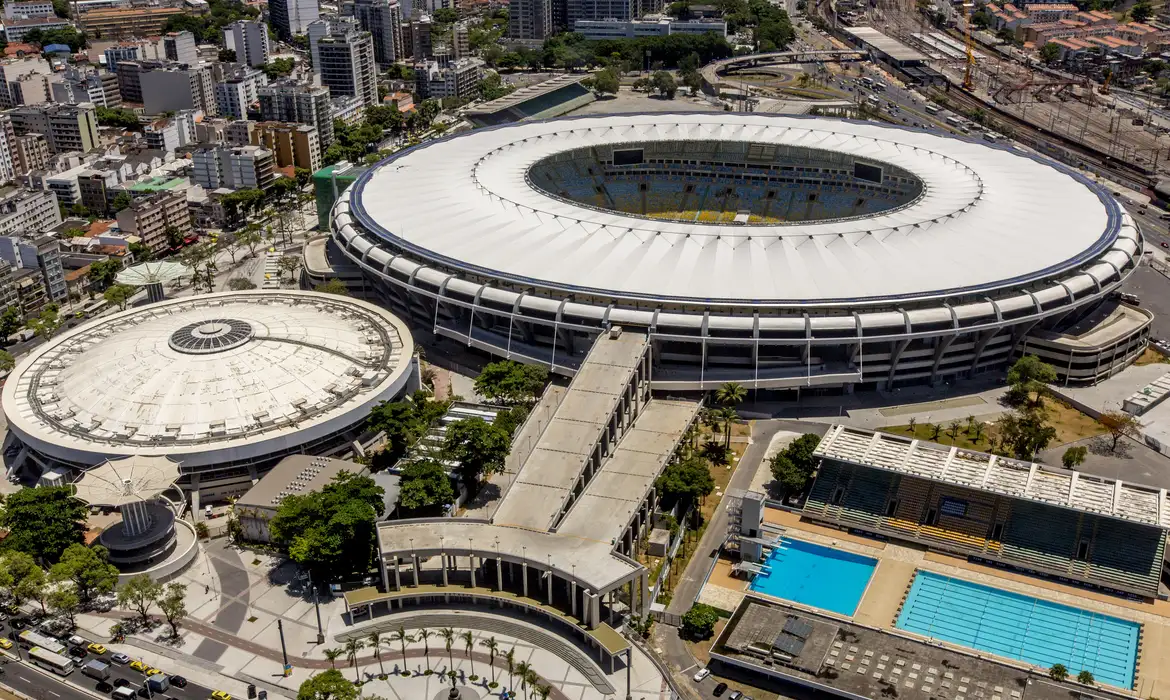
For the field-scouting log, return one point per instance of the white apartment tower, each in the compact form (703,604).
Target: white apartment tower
(290,18)
(249,40)
(383,20)
(347,65)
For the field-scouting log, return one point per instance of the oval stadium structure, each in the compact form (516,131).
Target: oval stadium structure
(780,252)
(225,384)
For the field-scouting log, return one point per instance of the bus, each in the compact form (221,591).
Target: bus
(30,639)
(868,81)
(932,109)
(954,121)
(48,660)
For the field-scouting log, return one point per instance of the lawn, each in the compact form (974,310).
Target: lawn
(1151,357)
(1071,425)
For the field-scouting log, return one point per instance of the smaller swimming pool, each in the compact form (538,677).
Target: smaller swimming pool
(817,576)
(1017,626)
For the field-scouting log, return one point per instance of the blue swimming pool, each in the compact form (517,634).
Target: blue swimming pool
(816,576)
(1021,627)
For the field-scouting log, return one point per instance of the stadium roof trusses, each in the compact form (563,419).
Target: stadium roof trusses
(994,474)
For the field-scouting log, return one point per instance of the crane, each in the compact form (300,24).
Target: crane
(969,72)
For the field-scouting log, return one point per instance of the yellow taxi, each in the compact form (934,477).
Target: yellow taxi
(152,671)
(97,648)
(5,643)
(138,665)
(220,695)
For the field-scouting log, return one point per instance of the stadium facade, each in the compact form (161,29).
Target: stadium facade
(780,252)
(225,384)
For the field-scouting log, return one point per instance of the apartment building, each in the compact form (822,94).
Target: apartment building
(66,127)
(249,40)
(130,77)
(458,79)
(7,150)
(234,168)
(291,18)
(173,88)
(33,210)
(289,101)
(383,20)
(347,65)
(171,134)
(15,73)
(16,29)
(180,47)
(135,19)
(238,90)
(31,153)
(81,83)
(151,218)
(292,144)
(26,10)
(39,253)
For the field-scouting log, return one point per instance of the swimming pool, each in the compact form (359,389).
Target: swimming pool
(816,576)
(1021,627)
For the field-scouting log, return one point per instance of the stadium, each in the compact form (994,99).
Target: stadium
(225,384)
(780,252)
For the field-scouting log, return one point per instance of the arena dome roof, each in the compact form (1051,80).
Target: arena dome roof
(209,379)
(988,217)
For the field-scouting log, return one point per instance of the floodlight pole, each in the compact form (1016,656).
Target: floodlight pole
(317,607)
(283,649)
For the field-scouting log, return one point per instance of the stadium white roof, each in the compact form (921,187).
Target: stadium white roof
(118,482)
(152,272)
(225,376)
(989,218)
(1008,477)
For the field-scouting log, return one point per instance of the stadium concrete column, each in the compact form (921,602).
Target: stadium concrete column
(573,597)
(499,576)
(644,598)
(471,568)
(397,573)
(524,576)
(414,567)
(443,566)
(549,584)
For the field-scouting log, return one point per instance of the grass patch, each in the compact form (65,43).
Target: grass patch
(1071,425)
(1151,357)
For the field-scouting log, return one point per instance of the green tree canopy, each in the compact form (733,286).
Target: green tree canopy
(88,568)
(510,382)
(334,286)
(1049,52)
(279,67)
(606,81)
(139,594)
(1030,375)
(664,83)
(331,531)
(173,604)
(1141,11)
(123,118)
(43,521)
(10,322)
(792,467)
(328,685)
(425,486)
(479,447)
(1025,434)
(404,422)
(1074,456)
(7,361)
(687,479)
(699,621)
(119,295)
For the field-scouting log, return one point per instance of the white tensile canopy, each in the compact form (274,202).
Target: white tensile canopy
(118,482)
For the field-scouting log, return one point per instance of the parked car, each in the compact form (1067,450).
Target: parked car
(703,673)
(178,681)
(138,665)
(121,682)
(96,648)
(120,658)
(719,690)
(77,650)
(5,643)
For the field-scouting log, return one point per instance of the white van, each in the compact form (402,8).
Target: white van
(124,692)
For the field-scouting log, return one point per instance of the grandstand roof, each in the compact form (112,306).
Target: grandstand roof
(527,93)
(1009,477)
(962,235)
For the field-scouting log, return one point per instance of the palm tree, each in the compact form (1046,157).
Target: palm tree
(375,640)
(468,643)
(731,394)
(402,638)
(913,422)
(352,647)
(448,636)
(424,635)
(333,655)
(510,657)
(543,691)
(492,646)
(729,417)
(525,672)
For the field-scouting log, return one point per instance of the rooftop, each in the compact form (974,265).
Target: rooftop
(992,473)
(295,474)
(527,93)
(887,45)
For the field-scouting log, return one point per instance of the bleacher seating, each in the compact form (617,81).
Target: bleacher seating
(1034,536)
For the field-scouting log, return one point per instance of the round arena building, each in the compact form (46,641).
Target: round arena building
(780,252)
(225,384)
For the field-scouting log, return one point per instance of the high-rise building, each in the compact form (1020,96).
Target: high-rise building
(292,144)
(171,88)
(153,217)
(289,101)
(80,83)
(28,210)
(130,77)
(530,19)
(7,150)
(238,90)
(121,52)
(32,153)
(180,46)
(290,18)
(249,40)
(66,127)
(457,79)
(621,10)
(41,254)
(383,20)
(420,35)
(238,168)
(347,65)
(325,26)
(171,134)
(16,76)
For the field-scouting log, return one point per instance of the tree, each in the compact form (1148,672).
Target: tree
(289,264)
(87,568)
(786,475)
(141,252)
(686,480)
(240,284)
(524,670)
(1030,375)
(606,82)
(445,15)
(46,324)
(1141,11)
(10,321)
(1058,672)
(492,646)
(425,635)
(22,576)
(699,621)
(279,67)
(510,382)
(63,600)
(123,118)
(227,56)
(730,394)
(330,530)
(402,638)
(250,238)
(7,361)
(173,605)
(328,685)
(448,636)
(468,644)
(102,273)
(1073,457)
(119,295)
(1049,53)
(1085,678)
(43,522)
(510,659)
(333,286)
(424,484)
(1026,433)
(352,647)
(139,594)
(479,447)
(1120,425)
(664,83)
(121,201)
(333,655)
(375,640)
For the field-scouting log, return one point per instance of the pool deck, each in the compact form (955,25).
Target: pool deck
(895,571)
